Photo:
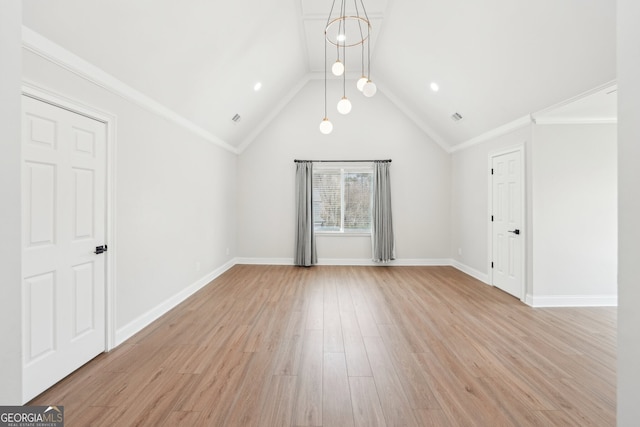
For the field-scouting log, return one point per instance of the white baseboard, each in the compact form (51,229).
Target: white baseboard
(572,300)
(265,261)
(348,261)
(394,263)
(483,277)
(150,316)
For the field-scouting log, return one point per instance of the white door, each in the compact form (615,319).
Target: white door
(63,210)
(507,223)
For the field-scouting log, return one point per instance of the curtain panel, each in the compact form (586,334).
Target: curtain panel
(305,244)
(382,238)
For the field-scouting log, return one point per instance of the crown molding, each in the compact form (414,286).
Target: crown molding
(47,49)
(610,84)
(494,133)
(576,121)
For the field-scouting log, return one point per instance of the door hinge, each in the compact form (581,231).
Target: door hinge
(491,171)
(491,264)
(491,218)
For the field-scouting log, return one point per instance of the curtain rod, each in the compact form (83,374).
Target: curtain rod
(343,161)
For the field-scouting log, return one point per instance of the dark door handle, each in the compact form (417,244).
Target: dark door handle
(100,249)
(516,231)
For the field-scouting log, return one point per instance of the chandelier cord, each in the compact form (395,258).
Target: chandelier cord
(330,13)
(325,80)
(355,4)
(364,10)
(344,74)
(344,62)
(368,61)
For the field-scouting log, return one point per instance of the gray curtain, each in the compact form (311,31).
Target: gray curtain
(305,247)
(383,241)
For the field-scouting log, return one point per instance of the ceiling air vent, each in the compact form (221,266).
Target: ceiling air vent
(456,117)
(236,118)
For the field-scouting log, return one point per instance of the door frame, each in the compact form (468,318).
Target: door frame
(40,93)
(523,217)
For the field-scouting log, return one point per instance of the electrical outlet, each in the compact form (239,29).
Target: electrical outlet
(459,251)
(227,251)
(197,265)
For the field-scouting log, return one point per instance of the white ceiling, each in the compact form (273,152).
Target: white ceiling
(494,60)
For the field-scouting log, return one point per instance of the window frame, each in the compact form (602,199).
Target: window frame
(344,170)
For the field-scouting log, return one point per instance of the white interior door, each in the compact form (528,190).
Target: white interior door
(507,223)
(63,209)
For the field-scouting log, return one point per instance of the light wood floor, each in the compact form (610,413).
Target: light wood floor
(352,346)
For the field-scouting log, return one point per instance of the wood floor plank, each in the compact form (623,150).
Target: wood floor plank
(415,385)
(217,386)
(154,402)
(336,398)
(252,393)
(181,419)
(315,312)
(308,407)
(395,404)
(349,345)
(355,352)
(367,411)
(333,342)
(277,408)
(433,417)
(290,350)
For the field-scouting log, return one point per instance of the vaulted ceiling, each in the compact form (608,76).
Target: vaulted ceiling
(494,60)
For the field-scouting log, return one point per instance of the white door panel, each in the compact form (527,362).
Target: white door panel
(507,222)
(63,204)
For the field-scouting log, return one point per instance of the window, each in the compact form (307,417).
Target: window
(342,200)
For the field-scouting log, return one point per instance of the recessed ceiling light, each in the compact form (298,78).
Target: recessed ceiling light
(434,86)
(341,37)
(257,86)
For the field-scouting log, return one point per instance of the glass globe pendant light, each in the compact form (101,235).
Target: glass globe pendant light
(326,126)
(369,89)
(344,106)
(361,82)
(338,68)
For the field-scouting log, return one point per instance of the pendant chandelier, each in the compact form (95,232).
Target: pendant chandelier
(342,32)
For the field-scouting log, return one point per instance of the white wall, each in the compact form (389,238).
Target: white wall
(570,212)
(175,201)
(375,129)
(10,215)
(629,212)
(575,214)
(470,201)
